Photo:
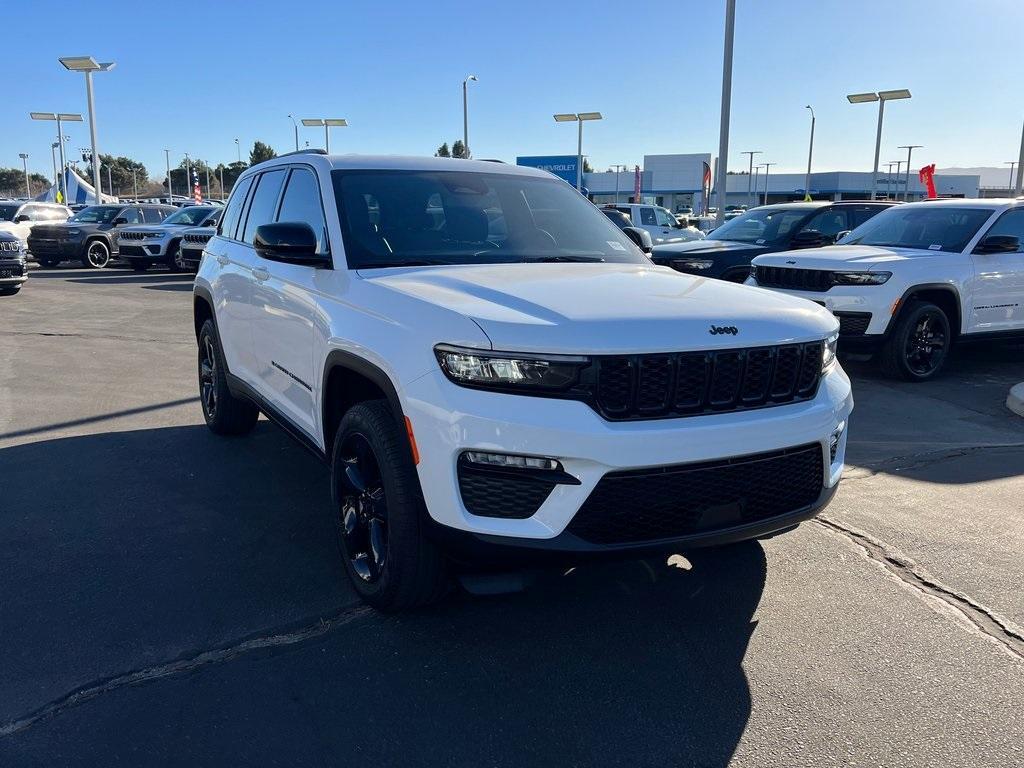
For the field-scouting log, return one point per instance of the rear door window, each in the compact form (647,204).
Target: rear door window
(264,202)
(233,211)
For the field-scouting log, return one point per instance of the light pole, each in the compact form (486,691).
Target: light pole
(170,191)
(766,167)
(238,150)
(881,97)
(619,168)
(53,156)
(757,173)
(188,175)
(62,187)
(750,171)
(579,117)
(810,153)
(723,130)
(25,165)
(220,170)
(296,126)
(1020,166)
(910,148)
(209,192)
(88,65)
(327,123)
(465,115)
(1011,163)
(135,186)
(110,185)
(899,165)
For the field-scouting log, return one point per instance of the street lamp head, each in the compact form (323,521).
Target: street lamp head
(339,122)
(70,117)
(43,115)
(311,123)
(565,118)
(471,77)
(861,98)
(901,93)
(23,155)
(79,63)
(590,116)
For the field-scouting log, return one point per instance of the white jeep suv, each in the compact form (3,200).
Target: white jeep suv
(495,373)
(914,279)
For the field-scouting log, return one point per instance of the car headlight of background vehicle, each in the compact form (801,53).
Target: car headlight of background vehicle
(509,370)
(828,356)
(860,278)
(692,264)
(74,232)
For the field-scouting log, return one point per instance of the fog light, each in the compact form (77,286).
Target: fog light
(509,460)
(833,442)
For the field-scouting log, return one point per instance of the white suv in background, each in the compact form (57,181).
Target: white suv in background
(914,279)
(18,217)
(662,225)
(495,373)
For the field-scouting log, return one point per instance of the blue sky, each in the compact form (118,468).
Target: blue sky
(395,69)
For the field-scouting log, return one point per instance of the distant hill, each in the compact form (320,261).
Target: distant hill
(990,177)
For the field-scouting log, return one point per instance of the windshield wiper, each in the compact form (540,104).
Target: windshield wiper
(566,258)
(404,263)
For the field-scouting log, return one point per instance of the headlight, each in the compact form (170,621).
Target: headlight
(154,234)
(860,278)
(509,370)
(692,264)
(74,232)
(828,356)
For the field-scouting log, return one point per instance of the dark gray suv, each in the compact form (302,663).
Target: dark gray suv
(90,236)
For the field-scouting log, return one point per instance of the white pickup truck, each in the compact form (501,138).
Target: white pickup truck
(662,225)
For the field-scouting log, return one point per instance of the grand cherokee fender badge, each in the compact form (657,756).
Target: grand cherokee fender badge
(717,329)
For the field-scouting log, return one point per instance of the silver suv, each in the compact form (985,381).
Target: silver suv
(144,246)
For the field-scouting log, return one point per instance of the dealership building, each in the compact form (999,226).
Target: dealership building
(674,181)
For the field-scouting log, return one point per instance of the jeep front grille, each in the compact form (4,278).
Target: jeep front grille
(815,280)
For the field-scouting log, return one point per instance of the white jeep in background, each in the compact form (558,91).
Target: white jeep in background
(496,374)
(914,279)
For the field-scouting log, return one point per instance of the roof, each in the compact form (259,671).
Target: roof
(971,202)
(405,163)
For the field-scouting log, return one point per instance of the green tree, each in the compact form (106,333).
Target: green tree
(120,174)
(12,183)
(459,149)
(443,151)
(261,152)
(587,168)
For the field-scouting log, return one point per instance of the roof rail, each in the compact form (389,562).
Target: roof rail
(306,151)
(491,160)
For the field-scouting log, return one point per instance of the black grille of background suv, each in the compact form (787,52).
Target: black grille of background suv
(816,280)
(674,501)
(634,387)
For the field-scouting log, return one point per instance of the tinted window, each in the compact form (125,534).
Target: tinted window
(397,218)
(763,226)
(133,215)
(665,219)
(647,217)
(1010,223)
(618,218)
(859,215)
(153,215)
(301,203)
(96,214)
(830,222)
(193,216)
(264,202)
(234,207)
(920,225)
(8,211)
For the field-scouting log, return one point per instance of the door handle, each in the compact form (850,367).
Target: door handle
(260,274)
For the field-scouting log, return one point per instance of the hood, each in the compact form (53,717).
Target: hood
(609,308)
(56,230)
(707,246)
(839,256)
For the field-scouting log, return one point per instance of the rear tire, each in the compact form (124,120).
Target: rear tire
(379,511)
(225,414)
(9,290)
(97,255)
(919,343)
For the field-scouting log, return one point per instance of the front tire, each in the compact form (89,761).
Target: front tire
(224,413)
(9,290)
(380,511)
(918,345)
(97,255)
(173,258)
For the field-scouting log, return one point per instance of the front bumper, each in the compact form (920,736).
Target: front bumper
(142,250)
(55,249)
(190,257)
(448,420)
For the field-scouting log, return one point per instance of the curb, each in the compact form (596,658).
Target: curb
(1015,400)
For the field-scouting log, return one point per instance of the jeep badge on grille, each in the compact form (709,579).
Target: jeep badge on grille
(730,329)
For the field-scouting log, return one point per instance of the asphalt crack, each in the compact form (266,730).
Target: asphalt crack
(912,461)
(978,617)
(183,665)
(55,334)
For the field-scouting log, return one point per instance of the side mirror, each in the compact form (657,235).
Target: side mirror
(119,221)
(998,244)
(641,237)
(809,238)
(289,242)
(842,234)
(22,217)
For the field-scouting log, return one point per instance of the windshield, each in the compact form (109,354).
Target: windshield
(191,216)
(762,226)
(409,218)
(8,211)
(933,228)
(96,214)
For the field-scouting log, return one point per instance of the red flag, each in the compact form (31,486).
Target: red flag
(927,177)
(197,192)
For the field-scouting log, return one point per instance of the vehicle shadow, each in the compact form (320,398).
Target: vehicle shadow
(157,544)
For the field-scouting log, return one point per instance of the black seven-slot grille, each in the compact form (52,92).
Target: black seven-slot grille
(819,280)
(134,235)
(673,501)
(193,238)
(635,387)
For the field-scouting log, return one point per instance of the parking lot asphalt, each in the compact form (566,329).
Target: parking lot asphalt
(171,597)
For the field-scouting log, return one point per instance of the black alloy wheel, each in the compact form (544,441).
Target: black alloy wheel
(97,254)
(364,526)
(927,343)
(208,377)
